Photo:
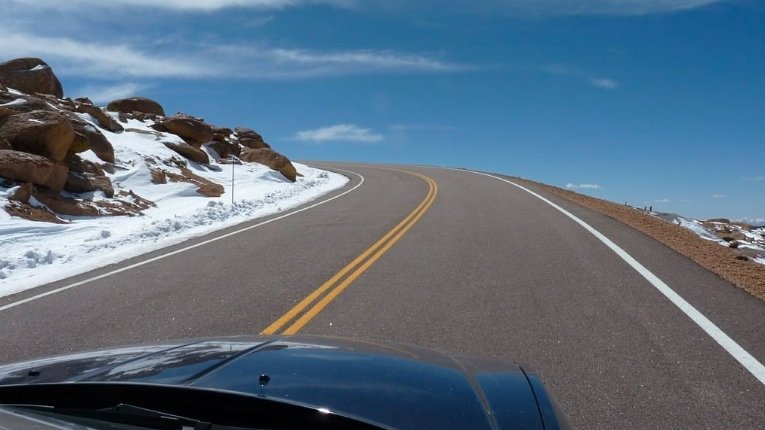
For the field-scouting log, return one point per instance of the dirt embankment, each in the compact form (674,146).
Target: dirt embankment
(721,260)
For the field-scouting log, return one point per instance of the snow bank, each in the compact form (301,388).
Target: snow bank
(34,253)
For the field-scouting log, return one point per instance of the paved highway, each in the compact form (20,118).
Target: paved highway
(447,259)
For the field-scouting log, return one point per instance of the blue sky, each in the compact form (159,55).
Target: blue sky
(653,102)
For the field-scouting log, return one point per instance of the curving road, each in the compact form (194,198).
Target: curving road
(447,259)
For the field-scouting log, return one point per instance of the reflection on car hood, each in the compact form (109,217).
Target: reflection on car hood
(399,386)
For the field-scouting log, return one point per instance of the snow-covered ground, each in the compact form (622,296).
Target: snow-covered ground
(35,253)
(747,240)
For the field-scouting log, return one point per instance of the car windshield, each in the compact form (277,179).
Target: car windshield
(410,213)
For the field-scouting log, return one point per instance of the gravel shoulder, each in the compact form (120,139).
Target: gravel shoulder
(747,275)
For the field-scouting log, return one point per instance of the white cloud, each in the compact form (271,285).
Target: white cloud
(509,7)
(94,59)
(584,186)
(569,71)
(545,7)
(339,133)
(180,5)
(106,93)
(606,84)
(664,200)
(718,196)
(70,56)
(754,178)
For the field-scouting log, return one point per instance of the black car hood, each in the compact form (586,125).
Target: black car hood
(397,386)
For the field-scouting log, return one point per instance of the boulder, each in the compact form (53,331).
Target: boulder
(250,138)
(78,182)
(65,205)
(94,140)
(225,149)
(192,130)
(23,167)
(136,104)
(45,133)
(188,151)
(77,164)
(102,118)
(23,193)
(16,103)
(223,131)
(272,159)
(30,75)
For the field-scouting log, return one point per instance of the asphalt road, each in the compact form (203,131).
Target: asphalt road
(482,268)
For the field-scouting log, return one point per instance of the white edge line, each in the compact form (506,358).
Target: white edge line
(734,349)
(178,251)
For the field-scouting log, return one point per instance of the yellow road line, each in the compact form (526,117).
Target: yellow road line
(376,251)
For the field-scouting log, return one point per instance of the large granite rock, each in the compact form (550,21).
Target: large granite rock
(136,104)
(30,75)
(24,167)
(45,133)
(272,159)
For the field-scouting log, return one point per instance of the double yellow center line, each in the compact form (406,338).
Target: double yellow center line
(301,314)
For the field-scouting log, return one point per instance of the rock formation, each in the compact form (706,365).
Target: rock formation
(30,75)
(136,104)
(42,133)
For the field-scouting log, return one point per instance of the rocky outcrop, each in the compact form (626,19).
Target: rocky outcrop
(190,152)
(45,133)
(136,104)
(78,182)
(30,75)
(102,118)
(77,164)
(225,148)
(193,130)
(272,159)
(23,193)
(22,103)
(93,140)
(24,167)
(65,205)
(250,138)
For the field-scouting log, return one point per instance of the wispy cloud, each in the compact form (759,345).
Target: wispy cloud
(542,7)
(106,61)
(754,178)
(180,5)
(606,84)
(569,71)
(664,200)
(584,186)
(509,7)
(339,133)
(718,196)
(107,93)
(99,60)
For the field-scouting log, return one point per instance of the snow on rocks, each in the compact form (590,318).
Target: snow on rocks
(166,192)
